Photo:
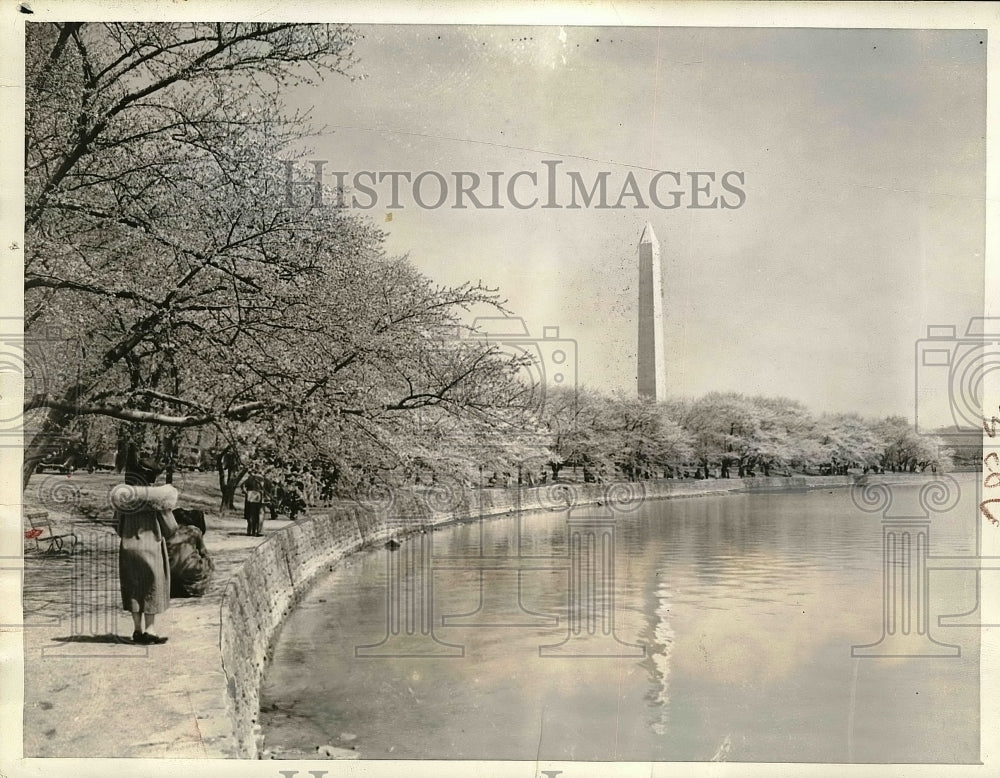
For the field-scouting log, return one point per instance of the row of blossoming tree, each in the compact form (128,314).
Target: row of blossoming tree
(724,434)
(172,283)
(179,295)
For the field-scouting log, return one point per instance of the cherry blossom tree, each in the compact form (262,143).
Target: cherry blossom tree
(191,288)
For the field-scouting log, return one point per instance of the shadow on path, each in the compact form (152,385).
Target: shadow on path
(108,638)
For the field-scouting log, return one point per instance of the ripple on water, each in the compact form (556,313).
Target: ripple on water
(747,604)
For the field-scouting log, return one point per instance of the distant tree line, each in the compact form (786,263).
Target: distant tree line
(561,434)
(726,434)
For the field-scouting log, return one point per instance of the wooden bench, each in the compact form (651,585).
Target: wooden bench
(40,531)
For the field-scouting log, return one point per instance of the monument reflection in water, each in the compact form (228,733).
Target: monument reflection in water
(735,618)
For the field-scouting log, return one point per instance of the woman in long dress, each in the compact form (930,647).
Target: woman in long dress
(144,519)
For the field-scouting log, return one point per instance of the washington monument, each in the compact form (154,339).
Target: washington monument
(652,362)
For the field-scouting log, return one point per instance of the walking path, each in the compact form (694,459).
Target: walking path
(86,694)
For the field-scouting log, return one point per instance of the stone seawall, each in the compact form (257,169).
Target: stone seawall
(266,587)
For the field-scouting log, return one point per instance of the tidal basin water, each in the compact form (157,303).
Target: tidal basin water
(474,641)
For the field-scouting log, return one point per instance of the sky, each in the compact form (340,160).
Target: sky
(862,155)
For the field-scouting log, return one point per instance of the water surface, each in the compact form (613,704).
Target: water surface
(746,607)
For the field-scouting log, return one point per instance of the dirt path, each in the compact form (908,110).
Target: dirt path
(89,692)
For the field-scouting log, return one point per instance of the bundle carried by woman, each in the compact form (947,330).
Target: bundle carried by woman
(191,567)
(145,520)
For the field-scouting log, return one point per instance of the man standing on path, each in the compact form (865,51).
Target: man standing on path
(252,504)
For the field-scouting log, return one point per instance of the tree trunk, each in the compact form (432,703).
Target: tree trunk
(229,492)
(230,475)
(44,440)
(121,449)
(168,454)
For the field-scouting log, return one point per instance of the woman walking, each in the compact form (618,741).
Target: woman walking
(144,519)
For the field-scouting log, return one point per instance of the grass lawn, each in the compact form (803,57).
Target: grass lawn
(82,497)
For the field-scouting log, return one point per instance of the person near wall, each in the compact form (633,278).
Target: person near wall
(144,520)
(253,504)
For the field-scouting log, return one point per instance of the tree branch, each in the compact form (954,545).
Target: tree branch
(122,413)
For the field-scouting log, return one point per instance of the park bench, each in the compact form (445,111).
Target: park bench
(40,531)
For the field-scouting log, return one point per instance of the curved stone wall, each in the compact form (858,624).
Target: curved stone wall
(265,589)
